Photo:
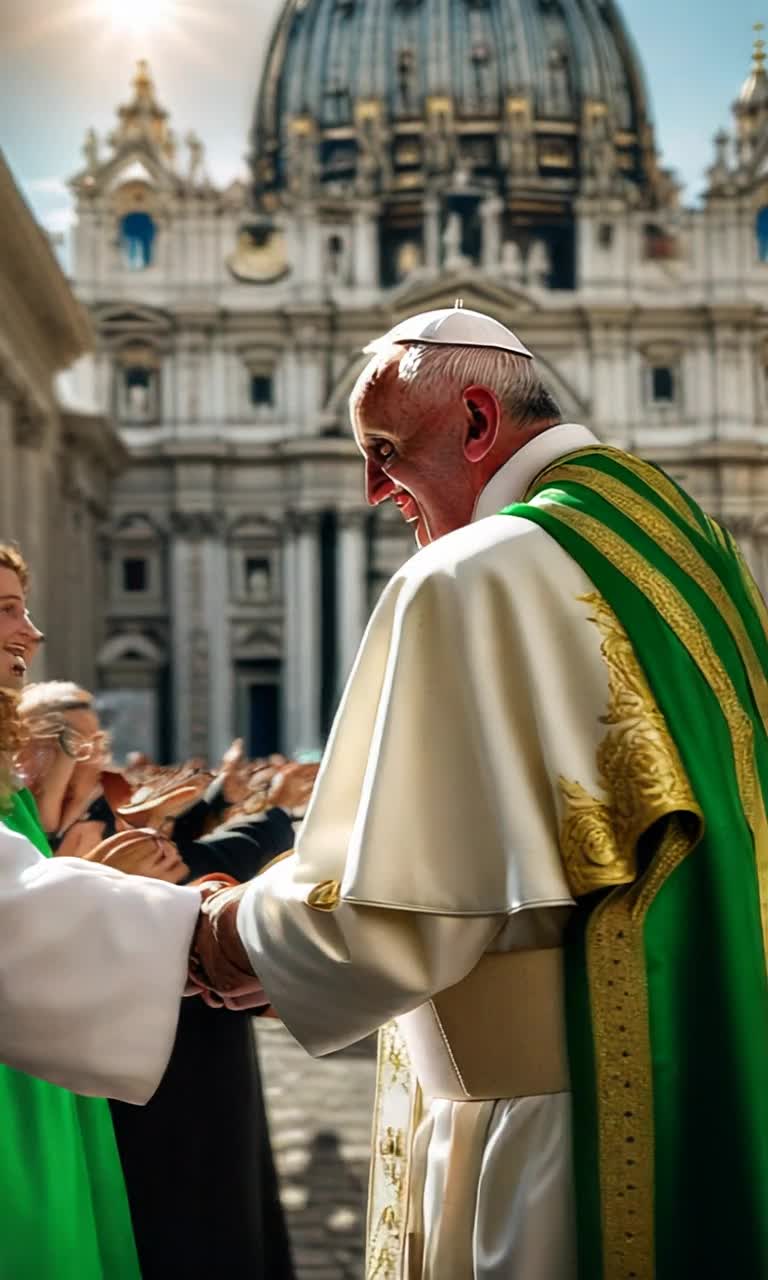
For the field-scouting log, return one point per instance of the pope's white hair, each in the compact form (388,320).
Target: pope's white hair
(439,370)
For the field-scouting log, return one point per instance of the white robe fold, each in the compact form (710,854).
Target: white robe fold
(479,684)
(93,965)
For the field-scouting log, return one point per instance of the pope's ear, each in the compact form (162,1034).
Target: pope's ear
(483,417)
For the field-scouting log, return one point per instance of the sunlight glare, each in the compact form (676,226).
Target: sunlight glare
(139,16)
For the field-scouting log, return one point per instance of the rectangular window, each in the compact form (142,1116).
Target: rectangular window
(258,578)
(135,574)
(663,384)
(262,391)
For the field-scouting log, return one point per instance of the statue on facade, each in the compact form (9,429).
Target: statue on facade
(599,161)
(512,261)
(452,237)
(371,155)
(539,264)
(301,162)
(170,147)
(439,142)
(91,150)
(518,143)
(196,157)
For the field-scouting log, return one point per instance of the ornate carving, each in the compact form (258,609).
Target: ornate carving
(639,767)
(396,1110)
(302,164)
(196,525)
(517,144)
(599,158)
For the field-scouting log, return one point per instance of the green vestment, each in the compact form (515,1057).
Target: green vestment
(666,966)
(64,1208)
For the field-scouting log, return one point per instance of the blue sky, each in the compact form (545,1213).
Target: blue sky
(66,66)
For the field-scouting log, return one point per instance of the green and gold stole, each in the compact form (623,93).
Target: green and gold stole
(667,986)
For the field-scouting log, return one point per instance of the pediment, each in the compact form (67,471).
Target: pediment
(115,318)
(260,641)
(131,646)
(248,527)
(475,290)
(135,163)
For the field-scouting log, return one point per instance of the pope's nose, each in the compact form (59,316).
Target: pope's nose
(378,485)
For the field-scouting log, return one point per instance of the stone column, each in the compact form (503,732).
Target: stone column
(490,213)
(7,466)
(33,514)
(366,246)
(610,375)
(432,232)
(220,673)
(301,684)
(311,256)
(201,660)
(351,591)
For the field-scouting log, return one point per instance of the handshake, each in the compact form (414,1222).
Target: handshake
(219,969)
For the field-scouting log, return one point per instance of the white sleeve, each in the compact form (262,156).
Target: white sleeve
(93,965)
(335,977)
(435,818)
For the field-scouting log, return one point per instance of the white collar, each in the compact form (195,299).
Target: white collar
(510,482)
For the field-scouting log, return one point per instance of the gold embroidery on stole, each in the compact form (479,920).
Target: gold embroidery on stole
(394,1117)
(640,771)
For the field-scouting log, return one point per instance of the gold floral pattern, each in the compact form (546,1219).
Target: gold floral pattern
(640,770)
(396,1100)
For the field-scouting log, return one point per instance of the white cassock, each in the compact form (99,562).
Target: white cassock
(93,965)
(429,862)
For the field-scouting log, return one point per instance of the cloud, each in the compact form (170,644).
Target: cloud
(59,220)
(47,186)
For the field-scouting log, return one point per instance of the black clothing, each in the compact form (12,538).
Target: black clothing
(190,825)
(197,1159)
(198,1162)
(242,850)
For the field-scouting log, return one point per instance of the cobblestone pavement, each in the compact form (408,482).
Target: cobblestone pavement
(320,1117)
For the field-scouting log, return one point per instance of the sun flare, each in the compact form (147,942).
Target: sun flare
(139,16)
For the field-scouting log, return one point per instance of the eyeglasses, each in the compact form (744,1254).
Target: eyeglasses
(84,749)
(80,747)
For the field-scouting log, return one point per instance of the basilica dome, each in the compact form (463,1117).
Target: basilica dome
(535,99)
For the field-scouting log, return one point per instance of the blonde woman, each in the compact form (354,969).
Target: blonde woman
(80,1004)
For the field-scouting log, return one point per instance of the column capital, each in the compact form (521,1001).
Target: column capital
(298,522)
(195,526)
(353,518)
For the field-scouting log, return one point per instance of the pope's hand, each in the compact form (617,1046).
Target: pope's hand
(219,968)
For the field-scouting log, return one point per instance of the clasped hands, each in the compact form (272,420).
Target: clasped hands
(219,968)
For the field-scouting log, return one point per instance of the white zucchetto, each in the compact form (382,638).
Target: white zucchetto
(452,327)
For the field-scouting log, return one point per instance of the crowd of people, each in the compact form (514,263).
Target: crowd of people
(200,1149)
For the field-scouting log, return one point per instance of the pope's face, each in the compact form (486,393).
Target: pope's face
(413,457)
(19,637)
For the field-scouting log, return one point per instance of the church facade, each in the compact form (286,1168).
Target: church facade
(404,154)
(58,457)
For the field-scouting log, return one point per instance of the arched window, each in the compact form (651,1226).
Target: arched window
(761,231)
(137,239)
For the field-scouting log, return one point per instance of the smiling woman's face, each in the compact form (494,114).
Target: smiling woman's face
(19,637)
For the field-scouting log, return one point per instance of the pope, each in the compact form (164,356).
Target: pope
(538,843)
(536,857)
